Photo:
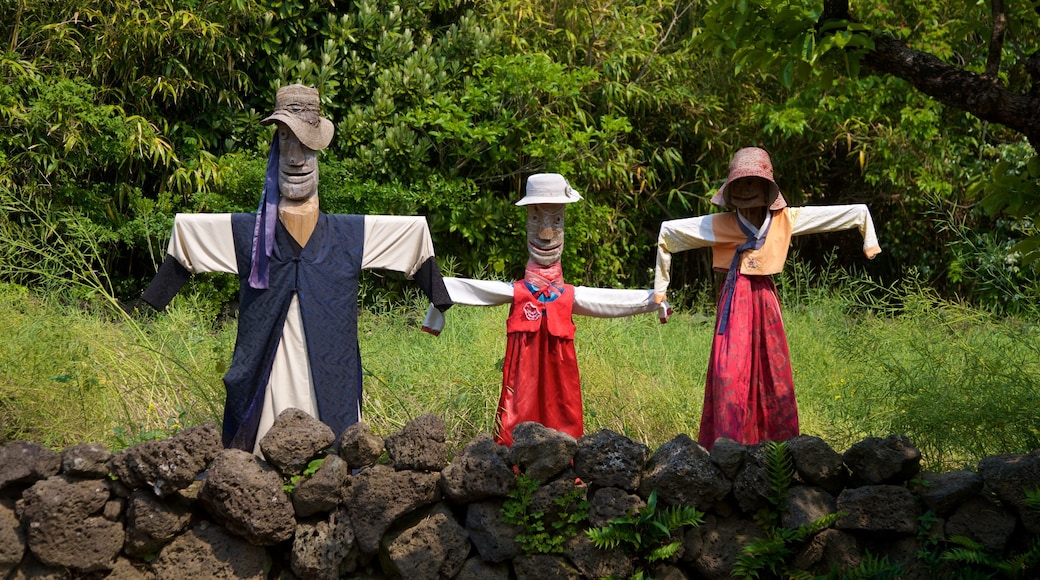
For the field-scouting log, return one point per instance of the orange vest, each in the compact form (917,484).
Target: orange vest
(769,259)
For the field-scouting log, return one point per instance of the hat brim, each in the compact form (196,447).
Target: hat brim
(776,199)
(314,138)
(547,200)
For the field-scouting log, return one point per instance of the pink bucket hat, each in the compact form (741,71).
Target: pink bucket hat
(751,162)
(299,107)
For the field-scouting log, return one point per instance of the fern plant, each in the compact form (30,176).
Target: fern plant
(542,534)
(772,552)
(962,558)
(650,534)
(967,555)
(870,568)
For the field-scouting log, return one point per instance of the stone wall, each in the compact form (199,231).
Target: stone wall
(184,507)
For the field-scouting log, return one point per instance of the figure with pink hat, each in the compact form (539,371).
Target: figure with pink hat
(540,380)
(298,272)
(749,393)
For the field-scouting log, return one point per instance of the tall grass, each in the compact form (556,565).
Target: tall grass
(868,361)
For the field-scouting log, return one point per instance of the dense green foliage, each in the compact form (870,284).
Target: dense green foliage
(120,113)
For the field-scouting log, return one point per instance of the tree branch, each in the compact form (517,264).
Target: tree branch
(996,38)
(977,94)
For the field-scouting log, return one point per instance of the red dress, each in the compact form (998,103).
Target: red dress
(749,395)
(540,379)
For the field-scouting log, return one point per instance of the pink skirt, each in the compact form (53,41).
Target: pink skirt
(749,393)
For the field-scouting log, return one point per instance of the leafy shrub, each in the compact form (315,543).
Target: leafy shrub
(651,533)
(544,533)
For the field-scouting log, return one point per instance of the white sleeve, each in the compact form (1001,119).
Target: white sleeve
(678,236)
(398,243)
(203,242)
(833,218)
(614,303)
(468,292)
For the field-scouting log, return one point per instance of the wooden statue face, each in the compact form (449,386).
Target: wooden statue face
(545,232)
(297,166)
(747,192)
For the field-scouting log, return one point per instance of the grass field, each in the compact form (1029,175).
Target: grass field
(867,361)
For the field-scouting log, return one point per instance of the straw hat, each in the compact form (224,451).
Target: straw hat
(548,188)
(299,107)
(751,162)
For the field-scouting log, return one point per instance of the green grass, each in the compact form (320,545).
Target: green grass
(868,361)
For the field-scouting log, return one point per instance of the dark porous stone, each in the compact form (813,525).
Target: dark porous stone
(827,551)
(379,495)
(875,461)
(804,504)
(594,562)
(1008,477)
(294,440)
(427,544)
(943,492)
(86,460)
(714,546)
(608,503)
(888,509)
(728,455)
(12,541)
(359,446)
(751,485)
(682,473)
(325,490)
(983,521)
(609,459)
(209,551)
(544,567)
(324,549)
(245,494)
(151,523)
(420,445)
(494,539)
(479,471)
(540,452)
(168,465)
(25,463)
(477,569)
(816,463)
(65,525)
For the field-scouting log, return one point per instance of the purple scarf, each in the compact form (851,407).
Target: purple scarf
(266,218)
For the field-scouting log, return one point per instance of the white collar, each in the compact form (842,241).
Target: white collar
(765,223)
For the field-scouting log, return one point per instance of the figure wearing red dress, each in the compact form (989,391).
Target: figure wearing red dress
(749,391)
(540,379)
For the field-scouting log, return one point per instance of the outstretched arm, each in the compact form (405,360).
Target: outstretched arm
(468,292)
(404,244)
(678,236)
(614,303)
(832,218)
(198,243)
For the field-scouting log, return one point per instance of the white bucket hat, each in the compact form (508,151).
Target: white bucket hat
(548,188)
(299,107)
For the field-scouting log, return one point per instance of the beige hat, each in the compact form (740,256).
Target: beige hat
(548,188)
(751,162)
(299,107)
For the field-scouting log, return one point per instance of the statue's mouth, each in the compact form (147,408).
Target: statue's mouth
(297,176)
(545,249)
